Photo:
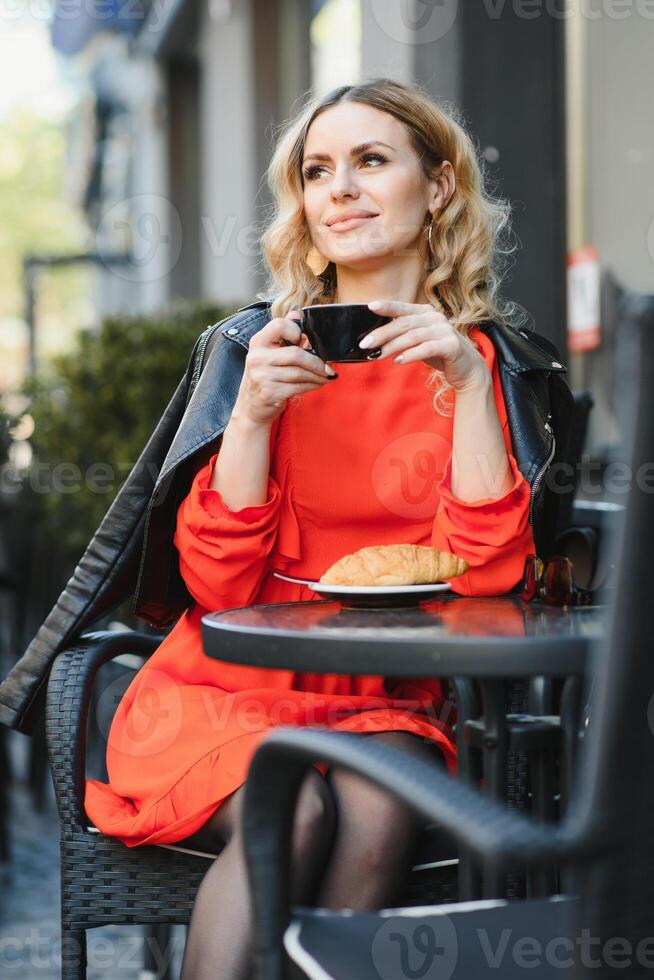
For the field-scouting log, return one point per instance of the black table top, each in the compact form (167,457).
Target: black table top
(498,636)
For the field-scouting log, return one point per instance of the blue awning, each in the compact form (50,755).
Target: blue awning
(75,22)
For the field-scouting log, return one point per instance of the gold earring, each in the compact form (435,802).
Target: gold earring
(429,231)
(316,261)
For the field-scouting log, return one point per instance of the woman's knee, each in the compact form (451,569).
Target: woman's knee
(315,811)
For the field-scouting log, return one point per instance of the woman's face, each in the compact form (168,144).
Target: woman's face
(383,180)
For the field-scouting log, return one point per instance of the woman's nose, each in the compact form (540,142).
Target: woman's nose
(344,183)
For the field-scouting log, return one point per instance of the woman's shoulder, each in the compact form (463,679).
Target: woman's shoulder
(483,342)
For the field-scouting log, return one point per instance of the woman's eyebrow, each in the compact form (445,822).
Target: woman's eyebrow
(355,151)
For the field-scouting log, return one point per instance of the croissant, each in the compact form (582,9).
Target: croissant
(394,564)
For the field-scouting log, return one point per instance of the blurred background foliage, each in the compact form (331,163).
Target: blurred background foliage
(34,214)
(86,418)
(5,433)
(37,218)
(94,409)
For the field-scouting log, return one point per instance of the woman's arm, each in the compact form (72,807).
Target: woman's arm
(242,474)
(480,464)
(484,517)
(277,367)
(223,552)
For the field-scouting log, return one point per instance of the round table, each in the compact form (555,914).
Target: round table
(483,640)
(498,636)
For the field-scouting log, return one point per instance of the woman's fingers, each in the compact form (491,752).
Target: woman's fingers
(276,331)
(418,343)
(295,374)
(277,367)
(282,391)
(279,344)
(297,358)
(403,324)
(430,349)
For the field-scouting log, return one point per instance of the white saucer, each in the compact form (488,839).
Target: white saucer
(372,596)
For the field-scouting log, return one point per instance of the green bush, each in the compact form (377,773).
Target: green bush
(5,434)
(93,413)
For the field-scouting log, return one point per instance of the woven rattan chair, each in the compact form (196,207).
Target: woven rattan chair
(103,882)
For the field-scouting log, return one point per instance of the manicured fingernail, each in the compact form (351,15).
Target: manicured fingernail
(376,304)
(330,370)
(330,377)
(399,358)
(366,342)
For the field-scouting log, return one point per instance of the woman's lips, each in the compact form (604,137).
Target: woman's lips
(350,223)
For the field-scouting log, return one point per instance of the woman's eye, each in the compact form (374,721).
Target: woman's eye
(374,156)
(311,172)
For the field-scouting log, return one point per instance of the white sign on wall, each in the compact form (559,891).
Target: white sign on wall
(584,332)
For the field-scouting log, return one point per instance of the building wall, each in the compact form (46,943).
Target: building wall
(620,134)
(612,178)
(228,143)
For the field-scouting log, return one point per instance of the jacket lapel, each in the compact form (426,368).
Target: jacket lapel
(211,404)
(522,350)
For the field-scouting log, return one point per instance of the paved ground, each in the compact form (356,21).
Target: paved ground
(29,900)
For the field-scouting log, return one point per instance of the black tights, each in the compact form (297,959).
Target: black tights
(353,847)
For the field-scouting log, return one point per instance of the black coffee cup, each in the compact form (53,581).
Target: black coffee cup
(335,329)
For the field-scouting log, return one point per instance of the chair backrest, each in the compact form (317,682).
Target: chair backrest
(616,791)
(583,403)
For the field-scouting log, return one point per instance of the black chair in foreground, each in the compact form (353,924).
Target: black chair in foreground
(603,925)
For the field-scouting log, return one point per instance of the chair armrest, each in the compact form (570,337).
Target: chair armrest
(67,705)
(601,515)
(492,832)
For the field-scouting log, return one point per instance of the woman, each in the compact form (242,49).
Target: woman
(312,466)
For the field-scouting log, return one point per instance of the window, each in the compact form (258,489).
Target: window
(335,44)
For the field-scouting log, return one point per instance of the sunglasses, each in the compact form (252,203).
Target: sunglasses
(554,583)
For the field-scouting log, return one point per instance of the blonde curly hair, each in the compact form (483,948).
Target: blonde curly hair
(471,236)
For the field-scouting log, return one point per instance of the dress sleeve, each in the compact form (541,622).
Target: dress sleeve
(493,535)
(223,552)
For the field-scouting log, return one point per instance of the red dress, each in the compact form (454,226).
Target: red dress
(363,460)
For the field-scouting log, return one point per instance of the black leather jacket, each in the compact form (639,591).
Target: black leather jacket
(132,552)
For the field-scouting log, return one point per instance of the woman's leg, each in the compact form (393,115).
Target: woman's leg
(219,936)
(376,837)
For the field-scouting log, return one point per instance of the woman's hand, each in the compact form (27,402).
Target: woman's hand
(418,332)
(277,367)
